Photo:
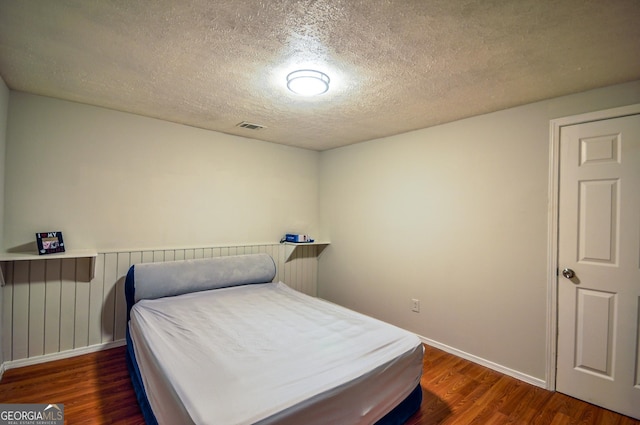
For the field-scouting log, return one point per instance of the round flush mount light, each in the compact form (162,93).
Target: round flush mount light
(308,82)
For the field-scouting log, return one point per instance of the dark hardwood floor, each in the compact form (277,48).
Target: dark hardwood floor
(95,389)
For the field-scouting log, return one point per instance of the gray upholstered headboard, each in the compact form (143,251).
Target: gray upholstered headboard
(156,280)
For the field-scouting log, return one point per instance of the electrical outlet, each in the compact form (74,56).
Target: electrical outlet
(415,305)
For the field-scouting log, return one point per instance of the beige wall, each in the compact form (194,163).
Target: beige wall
(112,180)
(4,110)
(4,106)
(455,216)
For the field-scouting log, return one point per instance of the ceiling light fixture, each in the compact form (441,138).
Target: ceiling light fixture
(308,82)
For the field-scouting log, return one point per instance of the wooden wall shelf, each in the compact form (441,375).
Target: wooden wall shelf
(290,247)
(26,256)
(33,256)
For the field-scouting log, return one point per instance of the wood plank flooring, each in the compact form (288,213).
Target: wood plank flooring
(95,389)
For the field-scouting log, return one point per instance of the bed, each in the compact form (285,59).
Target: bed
(216,341)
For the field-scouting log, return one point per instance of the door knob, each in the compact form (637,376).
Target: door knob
(568,273)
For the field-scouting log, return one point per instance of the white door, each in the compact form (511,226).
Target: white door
(599,242)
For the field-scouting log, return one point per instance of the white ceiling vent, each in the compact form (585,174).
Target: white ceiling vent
(250,126)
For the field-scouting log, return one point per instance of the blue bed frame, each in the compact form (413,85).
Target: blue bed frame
(398,416)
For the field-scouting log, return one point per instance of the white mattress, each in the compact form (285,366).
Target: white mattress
(269,354)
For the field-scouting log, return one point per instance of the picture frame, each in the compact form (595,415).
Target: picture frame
(50,243)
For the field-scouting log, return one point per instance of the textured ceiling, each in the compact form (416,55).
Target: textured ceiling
(395,66)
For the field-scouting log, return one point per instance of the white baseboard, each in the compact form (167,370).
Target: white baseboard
(486,363)
(12,364)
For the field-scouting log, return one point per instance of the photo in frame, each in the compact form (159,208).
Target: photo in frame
(49,243)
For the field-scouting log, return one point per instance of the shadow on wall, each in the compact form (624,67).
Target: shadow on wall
(29,247)
(114,311)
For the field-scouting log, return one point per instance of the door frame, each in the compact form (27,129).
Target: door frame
(553,211)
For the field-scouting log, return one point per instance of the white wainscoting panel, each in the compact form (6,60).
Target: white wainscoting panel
(50,307)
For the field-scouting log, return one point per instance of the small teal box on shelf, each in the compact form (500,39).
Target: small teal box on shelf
(291,237)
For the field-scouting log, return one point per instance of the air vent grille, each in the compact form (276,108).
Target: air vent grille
(250,126)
